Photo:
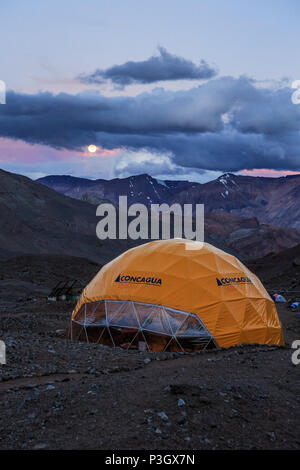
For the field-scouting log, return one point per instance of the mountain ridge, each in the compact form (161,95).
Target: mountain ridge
(38,220)
(272,200)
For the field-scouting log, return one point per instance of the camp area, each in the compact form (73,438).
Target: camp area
(119,397)
(175,295)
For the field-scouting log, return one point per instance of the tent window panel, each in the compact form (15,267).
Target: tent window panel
(95,313)
(192,327)
(113,309)
(144,313)
(158,322)
(125,316)
(174,319)
(80,315)
(133,325)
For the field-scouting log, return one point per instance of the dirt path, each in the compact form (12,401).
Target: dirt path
(34,382)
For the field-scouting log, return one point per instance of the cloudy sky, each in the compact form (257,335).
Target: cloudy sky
(179,90)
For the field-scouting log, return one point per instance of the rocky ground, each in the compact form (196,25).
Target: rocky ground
(58,394)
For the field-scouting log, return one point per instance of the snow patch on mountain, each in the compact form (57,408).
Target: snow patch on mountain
(163,183)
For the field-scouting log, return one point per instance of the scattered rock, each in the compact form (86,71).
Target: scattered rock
(163,416)
(40,446)
(50,387)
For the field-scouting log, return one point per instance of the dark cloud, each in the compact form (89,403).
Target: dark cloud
(225,124)
(166,66)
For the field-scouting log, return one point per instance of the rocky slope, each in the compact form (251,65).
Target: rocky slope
(247,238)
(36,219)
(279,270)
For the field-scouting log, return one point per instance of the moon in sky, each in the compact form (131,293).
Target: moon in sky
(92,148)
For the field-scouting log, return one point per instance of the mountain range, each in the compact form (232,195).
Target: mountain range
(36,219)
(273,201)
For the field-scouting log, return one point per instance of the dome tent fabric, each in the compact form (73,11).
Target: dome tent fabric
(175,295)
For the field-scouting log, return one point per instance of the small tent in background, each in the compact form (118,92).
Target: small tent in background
(278,298)
(175,295)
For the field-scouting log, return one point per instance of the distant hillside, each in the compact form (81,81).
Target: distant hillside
(38,220)
(280,270)
(247,237)
(271,200)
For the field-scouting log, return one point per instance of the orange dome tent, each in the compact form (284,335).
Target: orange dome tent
(176,295)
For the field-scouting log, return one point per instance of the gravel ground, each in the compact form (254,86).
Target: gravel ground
(58,394)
